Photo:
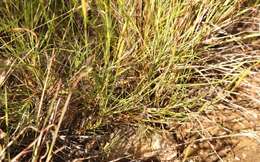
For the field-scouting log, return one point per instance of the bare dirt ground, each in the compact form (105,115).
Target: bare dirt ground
(248,149)
(237,136)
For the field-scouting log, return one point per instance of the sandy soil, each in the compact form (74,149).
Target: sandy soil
(248,149)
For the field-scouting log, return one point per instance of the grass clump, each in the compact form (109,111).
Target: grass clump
(88,68)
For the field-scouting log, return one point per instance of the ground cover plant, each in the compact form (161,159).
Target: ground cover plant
(127,80)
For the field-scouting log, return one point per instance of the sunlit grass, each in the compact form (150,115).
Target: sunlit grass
(82,67)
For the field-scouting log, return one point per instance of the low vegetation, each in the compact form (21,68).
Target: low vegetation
(89,80)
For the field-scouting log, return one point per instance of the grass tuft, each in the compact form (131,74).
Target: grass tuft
(77,76)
